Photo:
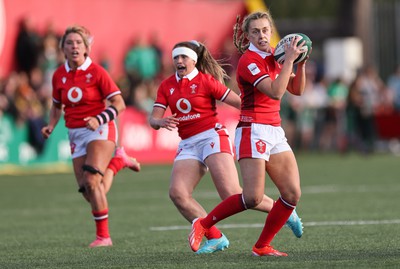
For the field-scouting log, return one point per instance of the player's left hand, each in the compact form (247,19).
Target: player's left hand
(91,123)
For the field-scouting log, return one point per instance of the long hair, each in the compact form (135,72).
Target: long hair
(240,29)
(205,61)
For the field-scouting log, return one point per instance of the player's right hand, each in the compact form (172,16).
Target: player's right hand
(46,131)
(169,122)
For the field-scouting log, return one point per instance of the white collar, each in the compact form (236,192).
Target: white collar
(83,67)
(263,54)
(189,76)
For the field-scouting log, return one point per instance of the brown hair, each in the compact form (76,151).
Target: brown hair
(205,61)
(83,32)
(240,30)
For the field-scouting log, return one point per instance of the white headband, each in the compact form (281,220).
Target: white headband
(184,51)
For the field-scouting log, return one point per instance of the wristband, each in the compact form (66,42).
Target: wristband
(109,114)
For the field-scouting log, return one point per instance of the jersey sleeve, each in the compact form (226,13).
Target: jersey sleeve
(218,90)
(106,84)
(252,69)
(161,99)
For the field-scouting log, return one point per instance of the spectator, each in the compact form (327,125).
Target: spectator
(336,114)
(28,46)
(393,84)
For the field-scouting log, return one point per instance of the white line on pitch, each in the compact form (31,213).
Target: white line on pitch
(306,224)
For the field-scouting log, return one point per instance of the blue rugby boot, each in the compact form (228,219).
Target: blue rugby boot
(214,245)
(295,224)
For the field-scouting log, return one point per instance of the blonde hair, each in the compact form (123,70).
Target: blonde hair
(240,29)
(205,61)
(83,32)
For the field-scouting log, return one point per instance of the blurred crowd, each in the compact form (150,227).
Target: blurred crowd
(335,115)
(332,115)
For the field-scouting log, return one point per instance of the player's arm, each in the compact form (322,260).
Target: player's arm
(54,117)
(297,83)
(117,105)
(118,102)
(275,89)
(158,121)
(233,99)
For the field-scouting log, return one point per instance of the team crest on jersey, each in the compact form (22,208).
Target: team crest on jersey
(260,146)
(253,68)
(88,77)
(64,79)
(193,87)
(212,144)
(171,91)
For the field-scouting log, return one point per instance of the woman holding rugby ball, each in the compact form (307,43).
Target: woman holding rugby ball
(261,145)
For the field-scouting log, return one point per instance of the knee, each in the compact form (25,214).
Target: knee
(178,196)
(292,197)
(91,183)
(92,179)
(252,201)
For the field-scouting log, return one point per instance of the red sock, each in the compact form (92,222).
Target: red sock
(116,164)
(278,216)
(101,219)
(228,207)
(213,233)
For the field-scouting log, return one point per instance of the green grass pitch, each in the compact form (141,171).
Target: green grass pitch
(349,207)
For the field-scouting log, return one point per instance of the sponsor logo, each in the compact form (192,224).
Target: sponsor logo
(74,94)
(253,68)
(184,106)
(246,118)
(182,103)
(189,117)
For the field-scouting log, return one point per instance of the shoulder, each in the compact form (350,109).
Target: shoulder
(59,72)
(97,67)
(206,78)
(248,58)
(168,83)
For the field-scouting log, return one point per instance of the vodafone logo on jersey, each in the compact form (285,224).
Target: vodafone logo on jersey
(74,94)
(183,105)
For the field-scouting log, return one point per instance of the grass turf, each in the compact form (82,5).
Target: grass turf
(346,199)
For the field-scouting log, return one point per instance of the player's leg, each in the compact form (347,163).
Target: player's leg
(99,153)
(252,195)
(186,175)
(77,164)
(120,160)
(283,171)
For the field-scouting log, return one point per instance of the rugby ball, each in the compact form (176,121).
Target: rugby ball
(279,53)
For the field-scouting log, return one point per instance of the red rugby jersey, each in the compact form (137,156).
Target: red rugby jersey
(83,92)
(256,106)
(193,99)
